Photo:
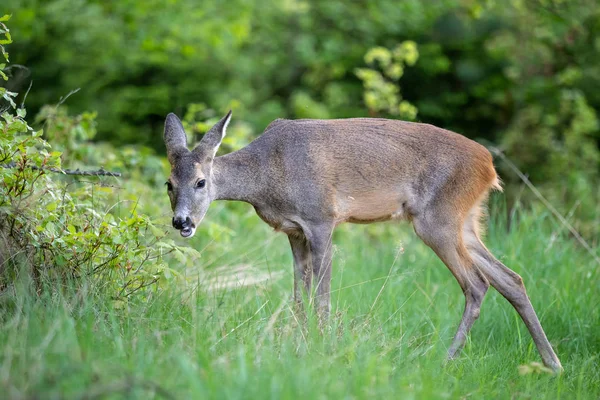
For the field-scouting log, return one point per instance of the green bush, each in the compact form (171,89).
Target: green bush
(382,93)
(60,228)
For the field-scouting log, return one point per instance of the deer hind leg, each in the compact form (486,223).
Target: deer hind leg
(510,285)
(444,235)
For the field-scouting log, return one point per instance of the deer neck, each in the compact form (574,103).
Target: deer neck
(236,176)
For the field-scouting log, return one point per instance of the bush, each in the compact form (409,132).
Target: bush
(57,227)
(382,93)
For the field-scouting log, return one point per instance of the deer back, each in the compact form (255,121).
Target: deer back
(365,169)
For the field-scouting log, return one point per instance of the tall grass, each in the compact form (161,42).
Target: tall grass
(395,310)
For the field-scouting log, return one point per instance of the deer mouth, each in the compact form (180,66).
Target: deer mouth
(187,232)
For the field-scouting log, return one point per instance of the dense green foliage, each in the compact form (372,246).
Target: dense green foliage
(66,228)
(55,229)
(520,74)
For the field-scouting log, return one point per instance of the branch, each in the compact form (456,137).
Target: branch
(100,172)
(546,203)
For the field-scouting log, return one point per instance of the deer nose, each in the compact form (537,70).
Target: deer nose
(180,223)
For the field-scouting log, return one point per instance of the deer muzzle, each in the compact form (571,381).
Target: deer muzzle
(185,226)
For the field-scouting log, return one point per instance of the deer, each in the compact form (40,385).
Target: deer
(304,177)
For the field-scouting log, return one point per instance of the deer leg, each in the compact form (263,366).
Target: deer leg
(446,241)
(320,249)
(510,285)
(302,267)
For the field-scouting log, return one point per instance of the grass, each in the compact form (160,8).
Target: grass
(395,310)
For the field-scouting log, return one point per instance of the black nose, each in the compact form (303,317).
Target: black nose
(180,223)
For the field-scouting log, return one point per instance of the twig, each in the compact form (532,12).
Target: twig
(60,102)
(548,205)
(99,172)
(64,98)
(26,93)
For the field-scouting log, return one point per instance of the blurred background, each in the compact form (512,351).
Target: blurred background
(521,75)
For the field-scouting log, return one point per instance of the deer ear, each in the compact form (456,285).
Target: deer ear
(175,139)
(212,139)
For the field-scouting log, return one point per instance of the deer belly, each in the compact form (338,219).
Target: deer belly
(375,207)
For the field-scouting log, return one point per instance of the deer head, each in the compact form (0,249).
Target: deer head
(191,186)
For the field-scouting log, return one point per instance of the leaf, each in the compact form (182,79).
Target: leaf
(8,39)
(170,273)
(156,231)
(534,368)
(119,304)
(189,251)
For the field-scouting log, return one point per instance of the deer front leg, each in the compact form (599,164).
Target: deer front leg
(302,267)
(320,249)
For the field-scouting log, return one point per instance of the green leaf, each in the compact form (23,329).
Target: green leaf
(8,39)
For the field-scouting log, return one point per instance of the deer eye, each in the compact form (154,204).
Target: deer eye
(201,183)
(169,186)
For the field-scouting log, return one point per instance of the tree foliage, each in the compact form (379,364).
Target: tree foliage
(520,74)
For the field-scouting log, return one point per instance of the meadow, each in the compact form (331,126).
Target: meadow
(101,299)
(230,331)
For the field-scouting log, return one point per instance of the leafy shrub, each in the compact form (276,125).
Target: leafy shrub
(554,132)
(62,228)
(382,93)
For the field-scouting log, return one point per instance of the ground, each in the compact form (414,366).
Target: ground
(395,310)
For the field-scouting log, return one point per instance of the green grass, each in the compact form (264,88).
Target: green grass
(384,341)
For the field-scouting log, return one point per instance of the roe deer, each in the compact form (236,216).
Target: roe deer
(304,177)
